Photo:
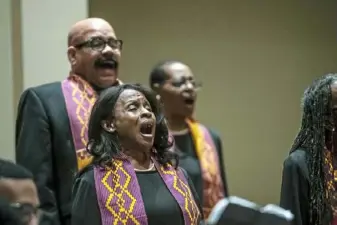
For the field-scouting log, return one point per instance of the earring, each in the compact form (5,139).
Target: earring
(109,129)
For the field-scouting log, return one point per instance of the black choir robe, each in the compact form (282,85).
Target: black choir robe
(295,187)
(160,206)
(45,146)
(188,160)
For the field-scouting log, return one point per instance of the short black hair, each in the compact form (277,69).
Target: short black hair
(9,169)
(105,146)
(158,74)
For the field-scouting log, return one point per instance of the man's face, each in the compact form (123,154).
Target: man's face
(23,196)
(96,53)
(178,93)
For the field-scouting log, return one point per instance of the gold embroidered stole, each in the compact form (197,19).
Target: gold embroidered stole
(213,189)
(80,98)
(120,200)
(331,180)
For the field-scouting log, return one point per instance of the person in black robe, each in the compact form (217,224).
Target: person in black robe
(44,132)
(177,89)
(126,126)
(310,171)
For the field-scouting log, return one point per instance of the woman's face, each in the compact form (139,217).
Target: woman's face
(134,121)
(179,92)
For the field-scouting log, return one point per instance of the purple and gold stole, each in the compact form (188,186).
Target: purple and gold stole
(119,197)
(213,188)
(79,98)
(331,179)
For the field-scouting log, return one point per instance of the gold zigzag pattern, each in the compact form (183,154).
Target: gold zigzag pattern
(190,205)
(121,212)
(119,191)
(82,115)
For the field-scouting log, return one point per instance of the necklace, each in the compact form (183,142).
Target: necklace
(145,170)
(180,132)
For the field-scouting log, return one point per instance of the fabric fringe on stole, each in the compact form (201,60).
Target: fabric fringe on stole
(213,187)
(119,196)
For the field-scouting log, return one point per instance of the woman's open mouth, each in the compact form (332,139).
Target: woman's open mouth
(189,101)
(146,128)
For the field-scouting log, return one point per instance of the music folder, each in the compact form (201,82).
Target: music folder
(238,211)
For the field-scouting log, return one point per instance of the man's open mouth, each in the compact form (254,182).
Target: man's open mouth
(107,64)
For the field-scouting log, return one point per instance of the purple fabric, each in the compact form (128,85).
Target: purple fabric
(79,99)
(334,221)
(119,197)
(179,188)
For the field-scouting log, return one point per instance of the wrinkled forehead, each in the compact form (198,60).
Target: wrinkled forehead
(97,30)
(179,71)
(130,95)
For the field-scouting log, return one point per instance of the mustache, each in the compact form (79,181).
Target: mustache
(106,63)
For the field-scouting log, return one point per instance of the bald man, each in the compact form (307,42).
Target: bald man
(51,126)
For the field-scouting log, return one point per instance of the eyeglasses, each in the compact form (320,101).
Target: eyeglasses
(196,85)
(99,44)
(26,211)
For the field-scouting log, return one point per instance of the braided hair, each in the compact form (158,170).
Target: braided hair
(316,120)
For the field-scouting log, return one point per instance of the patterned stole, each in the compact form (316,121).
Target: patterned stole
(119,197)
(80,98)
(331,179)
(213,188)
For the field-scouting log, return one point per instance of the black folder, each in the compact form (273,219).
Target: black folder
(238,211)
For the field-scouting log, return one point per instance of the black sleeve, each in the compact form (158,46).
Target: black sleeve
(85,209)
(34,151)
(293,192)
(218,145)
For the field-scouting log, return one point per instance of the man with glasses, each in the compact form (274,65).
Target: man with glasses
(51,126)
(199,148)
(19,202)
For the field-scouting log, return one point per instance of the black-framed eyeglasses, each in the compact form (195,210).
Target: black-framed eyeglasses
(99,44)
(195,84)
(26,211)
